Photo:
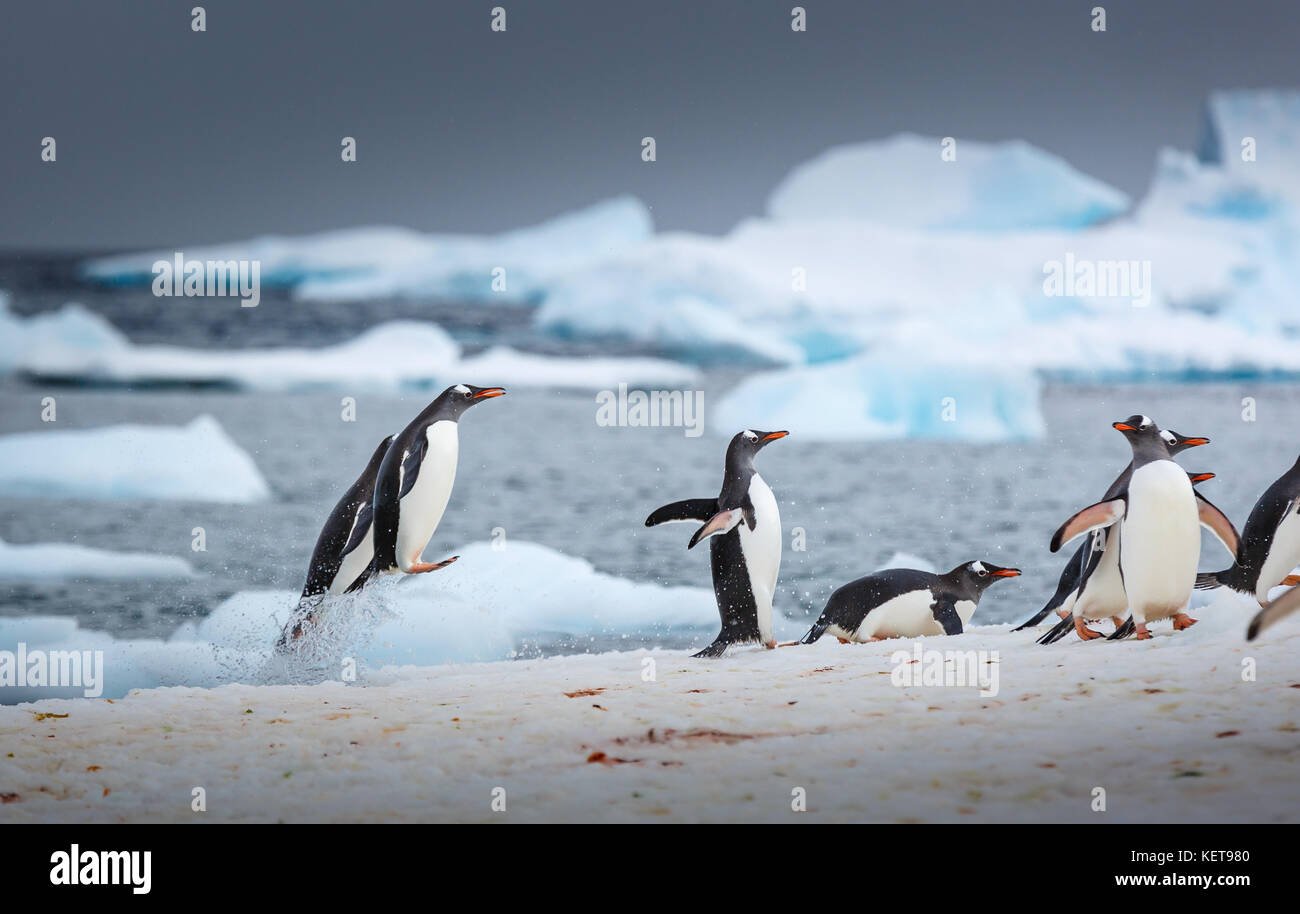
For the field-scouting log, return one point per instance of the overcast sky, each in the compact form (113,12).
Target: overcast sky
(167,137)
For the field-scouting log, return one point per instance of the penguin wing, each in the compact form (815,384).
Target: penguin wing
(1102,514)
(411,461)
(945,613)
(692,509)
(1217,523)
(1280,608)
(360,525)
(723,522)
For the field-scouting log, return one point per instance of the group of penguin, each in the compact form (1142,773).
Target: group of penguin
(1136,565)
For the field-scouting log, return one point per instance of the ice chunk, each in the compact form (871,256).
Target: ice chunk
(888,396)
(199,462)
(511,368)
(361,263)
(41,561)
(904,182)
(71,329)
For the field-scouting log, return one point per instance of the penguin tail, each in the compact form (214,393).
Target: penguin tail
(1208,580)
(1280,608)
(1037,617)
(1128,628)
(1058,631)
(362,578)
(716,649)
(818,629)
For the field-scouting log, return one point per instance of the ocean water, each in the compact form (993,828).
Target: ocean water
(536,464)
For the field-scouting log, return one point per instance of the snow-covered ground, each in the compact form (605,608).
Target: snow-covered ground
(1170,729)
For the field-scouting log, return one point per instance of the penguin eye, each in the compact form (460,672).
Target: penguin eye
(982,573)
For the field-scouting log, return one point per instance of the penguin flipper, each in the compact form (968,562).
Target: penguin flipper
(411,461)
(1123,631)
(1058,631)
(1280,608)
(360,526)
(945,613)
(1217,523)
(1102,514)
(722,522)
(692,509)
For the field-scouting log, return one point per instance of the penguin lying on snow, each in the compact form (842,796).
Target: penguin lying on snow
(1089,554)
(414,483)
(1158,519)
(745,550)
(1269,550)
(904,603)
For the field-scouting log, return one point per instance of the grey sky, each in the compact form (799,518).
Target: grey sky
(170,137)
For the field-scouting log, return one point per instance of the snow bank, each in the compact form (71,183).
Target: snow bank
(43,561)
(885,397)
(199,462)
(904,182)
(357,264)
(656,736)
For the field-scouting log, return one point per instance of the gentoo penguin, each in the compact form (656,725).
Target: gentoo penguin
(905,603)
(345,545)
(745,550)
(1102,594)
(1158,522)
(414,483)
(1089,554)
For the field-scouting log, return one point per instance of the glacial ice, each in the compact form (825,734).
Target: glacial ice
(69,561)
(197,462)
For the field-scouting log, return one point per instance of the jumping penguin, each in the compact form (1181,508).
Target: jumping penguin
(1089,554)
(414,483)
(1269,551)
(1158,521)
(745,550)
(905,603)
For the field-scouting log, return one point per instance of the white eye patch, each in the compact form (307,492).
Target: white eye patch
(1169,437)
(461,388)
(750,434)
(1146,422)
(977,567)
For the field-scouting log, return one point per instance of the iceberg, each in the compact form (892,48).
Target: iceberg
(886,397)
(45,561)
(370,262)
(197,462)
(903,182)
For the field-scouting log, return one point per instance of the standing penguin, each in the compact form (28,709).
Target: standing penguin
(745,551)
(1158,521)
(414,483)
(1090,552)
(905,603)
(1269,551)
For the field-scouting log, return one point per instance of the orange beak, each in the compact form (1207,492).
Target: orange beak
(490,392)
(774,435)
(1201,477)
(1123,427)
(1007,573)
(1195,442)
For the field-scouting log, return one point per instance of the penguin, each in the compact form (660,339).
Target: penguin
(744,528)
(905,603)
(1157,517)
(1102,595)
(1087,557)
(414,483)
(1270,544)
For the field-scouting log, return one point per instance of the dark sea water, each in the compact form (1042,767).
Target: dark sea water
(537,464)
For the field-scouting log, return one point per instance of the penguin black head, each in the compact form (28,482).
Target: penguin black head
(1178,443)
(750,442)
(974,577)
(453,401)
(1144,436)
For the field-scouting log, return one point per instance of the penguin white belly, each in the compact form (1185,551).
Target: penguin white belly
(1103,592)
(354,563)
(1283,556)
(1160,541)
(907,615)
(761,548)
(421,509)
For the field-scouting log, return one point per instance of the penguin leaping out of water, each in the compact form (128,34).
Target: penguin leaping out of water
(743,526)
(1158,520)
(1269,551)
(905,603)
(414,483)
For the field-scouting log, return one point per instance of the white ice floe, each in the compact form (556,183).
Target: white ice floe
(977,187)
(888,396)
(653,735)
(198,462)
(512,368)
(51,561)
(363,263)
